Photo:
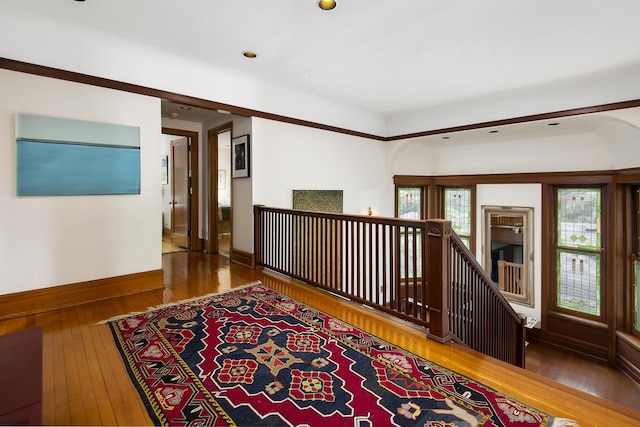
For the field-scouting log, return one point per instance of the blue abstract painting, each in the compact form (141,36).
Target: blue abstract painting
(65,157)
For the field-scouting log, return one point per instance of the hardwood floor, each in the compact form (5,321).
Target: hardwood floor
(168,247)
(582,373)
(86,383)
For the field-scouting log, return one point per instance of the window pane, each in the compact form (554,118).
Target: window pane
(579,218)
(457,209)
(636,296)
(409,203)
(579,282)
(410,246)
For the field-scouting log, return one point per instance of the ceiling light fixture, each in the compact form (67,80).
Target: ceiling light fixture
(327,4)
(249,54)
(494,131)
(553,124)
(185,108)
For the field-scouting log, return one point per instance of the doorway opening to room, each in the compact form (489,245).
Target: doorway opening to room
(219,203)
(179,184)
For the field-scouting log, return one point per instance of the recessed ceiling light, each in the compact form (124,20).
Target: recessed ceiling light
(249,54)
(494,131)
(445,137)
(553,124)
(185,107)
(327,4)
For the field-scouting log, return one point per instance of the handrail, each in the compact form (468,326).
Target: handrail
(375,261)
(418,271)
(480,316)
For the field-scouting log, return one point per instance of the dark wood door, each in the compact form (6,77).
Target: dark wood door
(180,215)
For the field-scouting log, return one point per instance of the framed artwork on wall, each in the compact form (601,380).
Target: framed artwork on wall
(222,179)
(240,157)
(66,157)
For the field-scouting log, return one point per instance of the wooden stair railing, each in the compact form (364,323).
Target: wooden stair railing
(480,316)
(371,260)
(387,263)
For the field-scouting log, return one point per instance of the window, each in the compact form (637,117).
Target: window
(458,209)
(579,250)
(635,256)
(409,202)
(409,206)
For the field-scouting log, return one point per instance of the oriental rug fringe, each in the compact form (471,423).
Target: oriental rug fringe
(255,357)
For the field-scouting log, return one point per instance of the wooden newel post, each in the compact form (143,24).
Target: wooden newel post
(257,234)
(438,278)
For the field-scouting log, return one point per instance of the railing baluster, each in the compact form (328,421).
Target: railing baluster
(382,262)
(369,259)
(492,326)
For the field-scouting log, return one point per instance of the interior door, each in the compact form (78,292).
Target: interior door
(219,205)
(180,207)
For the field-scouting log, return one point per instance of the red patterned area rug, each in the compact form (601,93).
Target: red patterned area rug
(255,357)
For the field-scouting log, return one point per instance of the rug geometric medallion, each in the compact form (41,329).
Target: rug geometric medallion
(256,357)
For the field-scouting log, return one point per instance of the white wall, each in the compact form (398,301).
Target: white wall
(621,130)
(602,141)
(285,157)
(539,153)
(49,241)
(290,157)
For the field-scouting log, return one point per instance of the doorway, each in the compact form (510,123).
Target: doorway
(180,204)
(180,207)
(220,191)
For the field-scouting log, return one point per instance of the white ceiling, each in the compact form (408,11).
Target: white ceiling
(393,67)
(176,111)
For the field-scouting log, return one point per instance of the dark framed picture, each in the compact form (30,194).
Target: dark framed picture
(240,156)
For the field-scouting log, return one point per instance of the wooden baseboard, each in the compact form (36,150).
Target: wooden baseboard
(628,368)
(47,299)
(245,258)
(572,345)
(628,355)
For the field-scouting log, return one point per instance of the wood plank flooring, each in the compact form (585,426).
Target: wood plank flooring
(86,383)
(582,373)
